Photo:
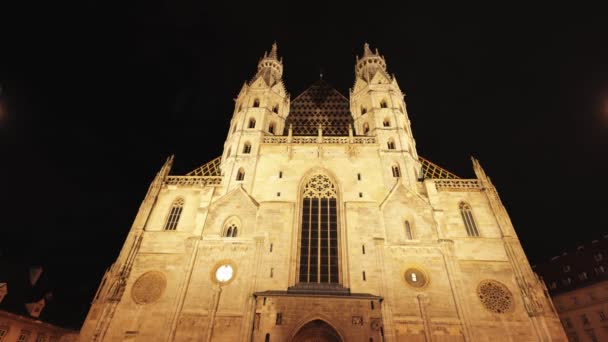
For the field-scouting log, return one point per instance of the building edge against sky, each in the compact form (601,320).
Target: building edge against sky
(320,220)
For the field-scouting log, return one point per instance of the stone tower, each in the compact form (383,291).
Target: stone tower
(320,222)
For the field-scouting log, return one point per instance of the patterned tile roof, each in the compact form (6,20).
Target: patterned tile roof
(323,105)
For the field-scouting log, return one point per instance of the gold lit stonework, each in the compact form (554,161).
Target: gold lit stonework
(149,287)
(321,222)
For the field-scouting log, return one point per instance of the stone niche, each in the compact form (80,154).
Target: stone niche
(300,317)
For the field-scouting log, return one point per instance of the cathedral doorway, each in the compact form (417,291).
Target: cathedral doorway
(317,331)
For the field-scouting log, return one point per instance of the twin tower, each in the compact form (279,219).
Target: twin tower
(263,108)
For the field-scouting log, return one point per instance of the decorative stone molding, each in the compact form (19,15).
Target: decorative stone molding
(149,287)
(495,296)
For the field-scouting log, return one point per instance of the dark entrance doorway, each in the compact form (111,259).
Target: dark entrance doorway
(317,331)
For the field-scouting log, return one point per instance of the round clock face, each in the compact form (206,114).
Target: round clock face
(224,273)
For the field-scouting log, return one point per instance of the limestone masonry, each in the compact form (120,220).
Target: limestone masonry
(320,222)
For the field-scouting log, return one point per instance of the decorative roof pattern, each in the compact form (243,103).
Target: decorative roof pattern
(211,168)
(323,105)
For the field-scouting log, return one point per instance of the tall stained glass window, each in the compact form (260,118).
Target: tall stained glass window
(319,233)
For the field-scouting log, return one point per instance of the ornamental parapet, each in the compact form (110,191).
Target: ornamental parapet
(319,140)
(193,180)
(458,185)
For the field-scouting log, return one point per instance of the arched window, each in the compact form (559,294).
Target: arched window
(256,103)
(408,231)
(275,109)
(247,147)
(391,144)
(251,123)
(365,128)
(383,104)
(271,128)
(386,122)
(267,338)
(231,227)
(469,221)
(363,110)
(174,214)
(240,175)
(396,171)
(319,261)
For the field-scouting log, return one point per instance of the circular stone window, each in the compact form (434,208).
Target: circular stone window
(415,277)
(495,296)
(224,272)
(148,287)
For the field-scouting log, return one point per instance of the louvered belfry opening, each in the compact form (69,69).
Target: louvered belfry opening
(323,105)
(319,261)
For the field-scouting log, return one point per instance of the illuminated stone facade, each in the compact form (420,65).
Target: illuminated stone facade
(321,222)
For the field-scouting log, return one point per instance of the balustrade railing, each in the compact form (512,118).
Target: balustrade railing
(457,185)
(193,180)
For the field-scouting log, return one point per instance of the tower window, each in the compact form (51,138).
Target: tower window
(363,249)
(233,128)
(391,144)
(408,231)
(251,123)
(358,176)
(386,122)
(267,338)
(229,151)
(396,171)
(365,128)
(318,250)
(247,148)
(275,109)
(469,221)
(280,174)
(364,279)
(271,128)
(363,110)
(383,104)
(256,103)
(279,319)
(174,214)
(240,175)
(232,230)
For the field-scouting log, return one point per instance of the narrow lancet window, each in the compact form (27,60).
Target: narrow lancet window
(256,103)
(251,123)
(247,148)
(174,214)
(319,261)
(386,122)
(469,221)
(365,128)
(408,231)
(271,128)
(240,175)
(396,171)
(391,144)
(383,104)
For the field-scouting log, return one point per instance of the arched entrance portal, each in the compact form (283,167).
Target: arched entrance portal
(317,331)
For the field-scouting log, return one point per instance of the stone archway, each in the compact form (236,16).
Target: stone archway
(317,331)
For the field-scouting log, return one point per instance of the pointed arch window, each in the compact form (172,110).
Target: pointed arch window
(232,230)
(365,128)
(275,109)
(391,144)
(363,110)
(271,128)
(247,147)
(408,231)
(240,175)
(174,214)
(256,103)
(396,171)
(386,122)
(469,221)
(319,261)
(251,123)
(383,104)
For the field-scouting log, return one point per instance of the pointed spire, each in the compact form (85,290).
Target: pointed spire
(273,51)
(366,50)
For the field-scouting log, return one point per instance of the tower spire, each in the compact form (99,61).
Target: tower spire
(370,63)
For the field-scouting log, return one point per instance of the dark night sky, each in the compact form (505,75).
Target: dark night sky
(96,96)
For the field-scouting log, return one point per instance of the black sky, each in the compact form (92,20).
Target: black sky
(96,96)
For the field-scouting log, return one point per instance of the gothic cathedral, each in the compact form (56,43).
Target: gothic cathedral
(320,222)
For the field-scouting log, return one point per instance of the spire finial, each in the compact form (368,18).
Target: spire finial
(273,50)
(366,50)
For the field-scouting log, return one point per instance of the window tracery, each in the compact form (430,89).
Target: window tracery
(469,221)
(174,214)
